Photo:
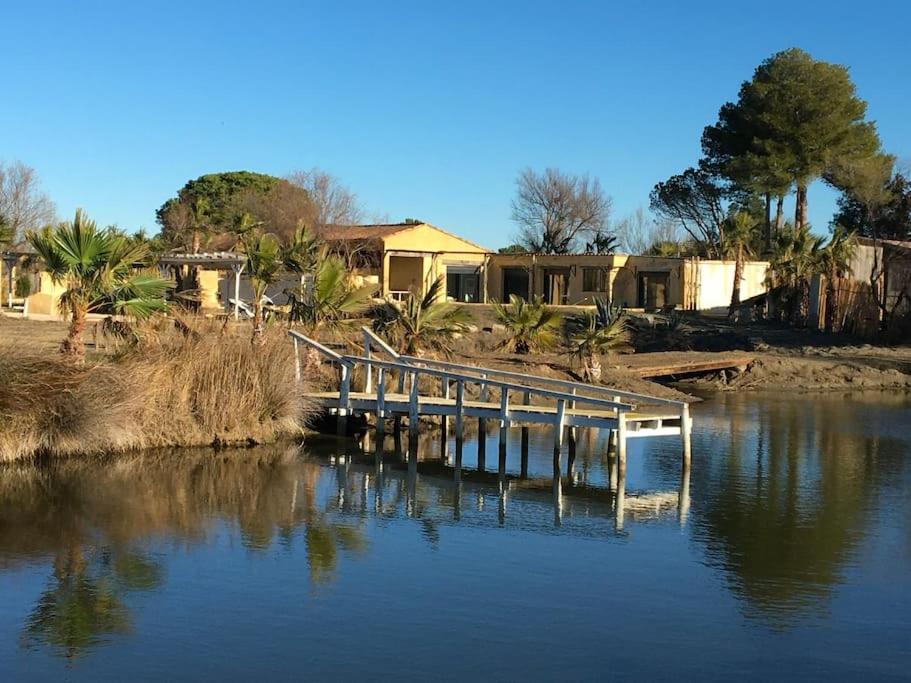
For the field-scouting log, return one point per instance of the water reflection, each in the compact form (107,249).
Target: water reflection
(791,490)
(782,501)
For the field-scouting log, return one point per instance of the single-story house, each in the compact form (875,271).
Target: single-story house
(648,282)
(405,257)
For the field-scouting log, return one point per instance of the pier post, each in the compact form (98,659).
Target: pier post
(621,443)
(482,444)
(683,501)
(504,421)
(686,428)
(459,419)
(344,402)
(397,419)
(413,414)
(526,400)
(620,499)
(380,409)
(444,426)
(558,427)
(368,369)
(571,447)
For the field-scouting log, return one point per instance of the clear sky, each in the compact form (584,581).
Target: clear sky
(425,109)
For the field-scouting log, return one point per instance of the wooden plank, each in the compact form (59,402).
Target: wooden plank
(693,367)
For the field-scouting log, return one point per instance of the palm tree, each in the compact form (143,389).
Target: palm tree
(303,252)
(836,263)
(263,267)
(98,270)
(422,322)
(531,326)
(332,298)
(594,333)
(738,244)
(796,257)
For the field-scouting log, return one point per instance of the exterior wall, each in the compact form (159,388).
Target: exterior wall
(537,266)
(693,284)
(427,238)
(625,289)
(714,282)
(433,250)
(46,300)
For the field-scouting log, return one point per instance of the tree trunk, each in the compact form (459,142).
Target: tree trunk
(831,303)
(196,242)
(779,214)
(738,276)
(591,368)
(72,345)
(258,323)
(800,208)
(768,222)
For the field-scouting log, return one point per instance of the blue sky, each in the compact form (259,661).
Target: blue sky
(426,110)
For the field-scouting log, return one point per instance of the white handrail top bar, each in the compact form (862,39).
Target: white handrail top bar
(549,393)
(319,347)
(546,380)
(380,342)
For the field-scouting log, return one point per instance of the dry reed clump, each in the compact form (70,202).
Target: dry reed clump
(193,391)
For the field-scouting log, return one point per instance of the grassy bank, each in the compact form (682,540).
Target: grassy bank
(194,391)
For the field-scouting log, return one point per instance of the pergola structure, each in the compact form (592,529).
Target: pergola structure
(215,260)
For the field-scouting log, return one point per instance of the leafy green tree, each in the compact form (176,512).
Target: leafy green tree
(210,204)
(512,249)
(99,270)
(695,200)
(421,323)
(596,332)
(793,120)
(530,326)
(888,219)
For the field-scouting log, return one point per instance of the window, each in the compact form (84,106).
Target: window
(594,280)
(462,283)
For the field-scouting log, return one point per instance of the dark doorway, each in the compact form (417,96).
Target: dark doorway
(556,289)
(653,290)
(515,281)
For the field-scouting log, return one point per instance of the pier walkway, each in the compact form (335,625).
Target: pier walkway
(405,386)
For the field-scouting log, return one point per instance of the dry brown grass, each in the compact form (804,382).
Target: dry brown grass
(171,390)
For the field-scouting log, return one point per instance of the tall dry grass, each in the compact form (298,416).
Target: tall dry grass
(175,390)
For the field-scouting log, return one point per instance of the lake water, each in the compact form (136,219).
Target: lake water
(785,553)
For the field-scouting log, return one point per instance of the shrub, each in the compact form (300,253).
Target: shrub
(179,392)
(23,286)
(529,326)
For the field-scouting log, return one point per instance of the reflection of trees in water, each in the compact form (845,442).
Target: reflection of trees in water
(783,505)
(90,516)
(83,603)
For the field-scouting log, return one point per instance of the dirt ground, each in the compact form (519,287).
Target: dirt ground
(770,357)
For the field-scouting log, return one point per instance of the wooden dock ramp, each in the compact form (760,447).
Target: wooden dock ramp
(395,386)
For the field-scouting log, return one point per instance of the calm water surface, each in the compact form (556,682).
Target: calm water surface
(785,553)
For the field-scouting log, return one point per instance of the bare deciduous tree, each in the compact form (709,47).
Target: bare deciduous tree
(557,211)
(639,232)
(23,205)
(334,203)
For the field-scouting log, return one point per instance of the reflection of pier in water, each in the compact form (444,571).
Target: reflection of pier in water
(432,489)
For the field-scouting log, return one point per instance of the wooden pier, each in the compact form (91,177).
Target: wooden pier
(404,386)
